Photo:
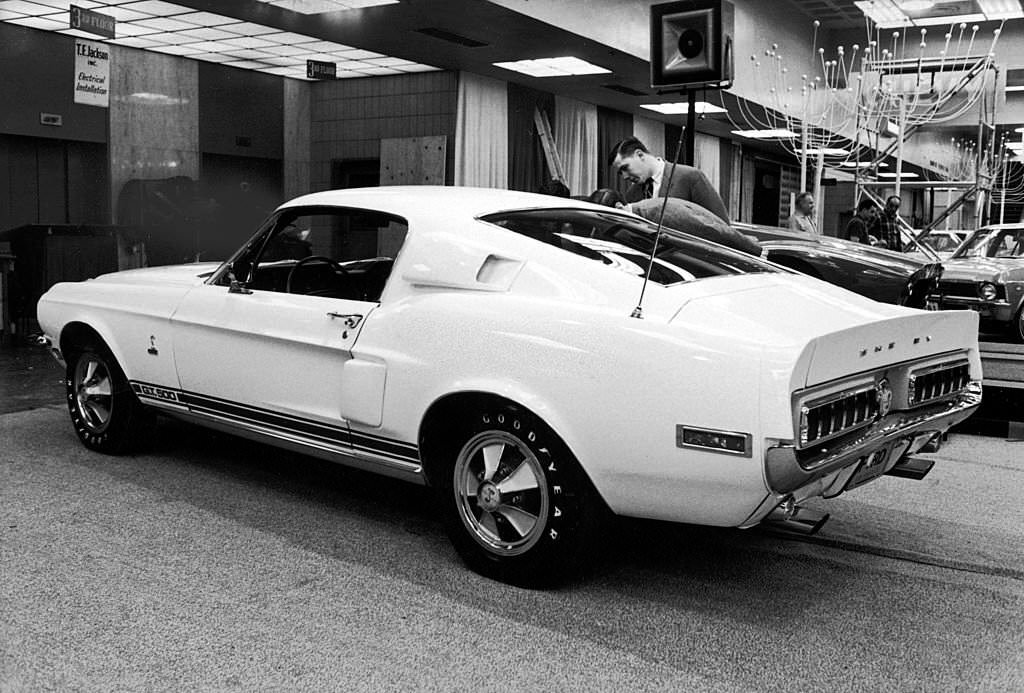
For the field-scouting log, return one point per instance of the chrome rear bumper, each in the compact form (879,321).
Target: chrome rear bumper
(786,470)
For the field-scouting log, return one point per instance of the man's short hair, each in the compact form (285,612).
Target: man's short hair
(554,187)
(891,198)
(866,203)
(626,147)
(607,197)
(804,196)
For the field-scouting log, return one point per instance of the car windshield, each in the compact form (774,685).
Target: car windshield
(625,244)
(994,243)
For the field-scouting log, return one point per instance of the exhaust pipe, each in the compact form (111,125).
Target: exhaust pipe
(789,517)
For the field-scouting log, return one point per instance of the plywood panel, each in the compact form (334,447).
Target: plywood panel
(413,160)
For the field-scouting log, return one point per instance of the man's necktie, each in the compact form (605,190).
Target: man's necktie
(649,189)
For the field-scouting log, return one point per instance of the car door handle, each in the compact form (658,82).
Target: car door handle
(350,319)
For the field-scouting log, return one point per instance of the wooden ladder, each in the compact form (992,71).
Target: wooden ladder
(547,140)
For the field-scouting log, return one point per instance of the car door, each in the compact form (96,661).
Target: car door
(267,351)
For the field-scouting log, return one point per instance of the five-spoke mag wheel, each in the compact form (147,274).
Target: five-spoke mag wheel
(501,493)
(93,392)
(516,504)
(106,414)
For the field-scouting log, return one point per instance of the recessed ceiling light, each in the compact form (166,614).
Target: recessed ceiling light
(765,134)
(916,5)
(566,66)
(324,6)
(862,164)
(905,174)
(682,107)
(1016,88)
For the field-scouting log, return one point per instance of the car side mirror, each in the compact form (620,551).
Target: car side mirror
(236,285)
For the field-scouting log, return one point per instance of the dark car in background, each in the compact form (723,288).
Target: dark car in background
(986,275)
(879,274)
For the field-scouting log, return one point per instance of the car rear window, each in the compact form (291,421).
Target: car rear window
(625,243)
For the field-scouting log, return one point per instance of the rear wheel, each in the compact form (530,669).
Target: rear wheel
(105,412)
(517,506)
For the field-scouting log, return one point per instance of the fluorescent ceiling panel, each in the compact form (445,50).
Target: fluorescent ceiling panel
(163,24)
(323,6)
(176,50)
(212,57)
(905,174)
(290,51)
(204,34)
(170,28)
(206,19)
(210,46)
(681,107)
(157,7)
(566,66)
(246,42)
(122,14)
(289,38)
(250,29)
(26,8)
(66,4)
(136,42)
(39,23)
(246,54)
(325,47)
(248,64)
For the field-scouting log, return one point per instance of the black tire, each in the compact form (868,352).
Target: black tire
(105,413)
(516,504)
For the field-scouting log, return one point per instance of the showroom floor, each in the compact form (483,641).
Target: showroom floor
(209,562)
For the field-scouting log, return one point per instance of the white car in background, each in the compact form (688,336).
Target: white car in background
(484,343)
(943,242)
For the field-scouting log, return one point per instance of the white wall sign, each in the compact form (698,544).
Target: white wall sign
(92,73)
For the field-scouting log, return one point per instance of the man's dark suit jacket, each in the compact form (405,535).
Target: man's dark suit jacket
(688,183)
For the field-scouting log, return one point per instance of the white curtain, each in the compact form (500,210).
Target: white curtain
(481,132)
(576,141)
(652,133)
(707,156)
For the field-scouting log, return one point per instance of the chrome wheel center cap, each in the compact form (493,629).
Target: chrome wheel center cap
(489,496)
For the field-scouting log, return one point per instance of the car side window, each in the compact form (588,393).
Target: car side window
(330,252)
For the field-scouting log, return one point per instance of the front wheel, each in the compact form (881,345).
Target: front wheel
(105,413)
(518,507)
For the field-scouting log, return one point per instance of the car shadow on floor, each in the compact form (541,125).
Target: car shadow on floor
(660,590)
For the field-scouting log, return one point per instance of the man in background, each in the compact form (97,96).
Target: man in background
(887,227)
(649,176)
(859,227)
(802,218)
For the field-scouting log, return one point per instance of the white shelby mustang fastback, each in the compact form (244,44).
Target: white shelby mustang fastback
(482,342)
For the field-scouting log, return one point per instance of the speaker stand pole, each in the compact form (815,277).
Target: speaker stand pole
(691,126)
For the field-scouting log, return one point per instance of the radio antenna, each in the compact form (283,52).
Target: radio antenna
(638,312)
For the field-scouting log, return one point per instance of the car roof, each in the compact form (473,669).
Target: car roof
(431,201)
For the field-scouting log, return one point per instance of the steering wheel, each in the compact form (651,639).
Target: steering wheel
(312,258)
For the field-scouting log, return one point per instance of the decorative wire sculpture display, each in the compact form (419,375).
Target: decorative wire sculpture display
(864,103)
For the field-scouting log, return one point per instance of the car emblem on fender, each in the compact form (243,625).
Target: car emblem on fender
(884,394)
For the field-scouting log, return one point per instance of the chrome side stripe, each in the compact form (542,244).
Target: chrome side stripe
(315,433)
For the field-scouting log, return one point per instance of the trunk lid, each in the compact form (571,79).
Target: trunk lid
(826,331)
